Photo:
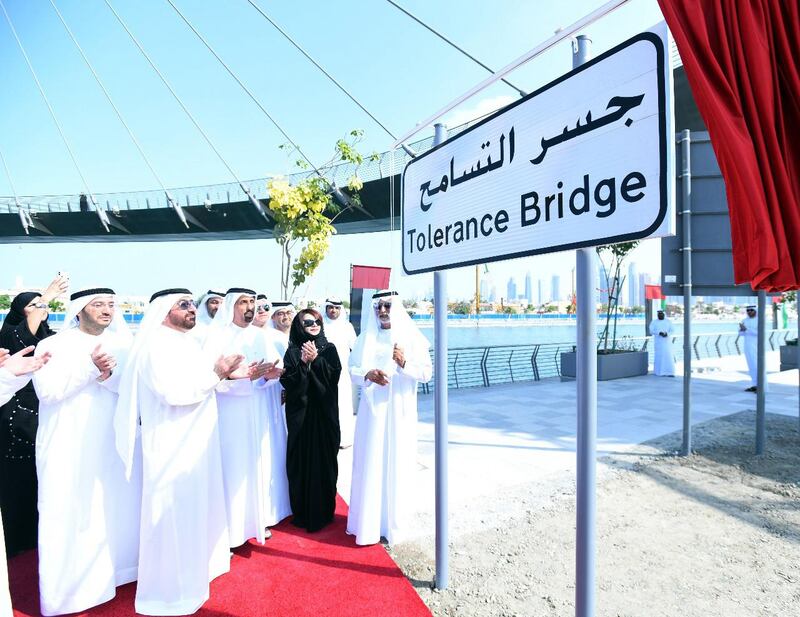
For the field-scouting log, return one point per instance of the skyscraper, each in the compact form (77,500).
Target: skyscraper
(644,279)
(539,292)
(484,289)
(633,284)
(528,287)
(555,288)
(603,284)
(511,290)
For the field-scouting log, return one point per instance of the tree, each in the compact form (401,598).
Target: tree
(56,306)
(5,302)
(304,213)
(615,254)
(461,308)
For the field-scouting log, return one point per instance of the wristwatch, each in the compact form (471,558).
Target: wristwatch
(40,305)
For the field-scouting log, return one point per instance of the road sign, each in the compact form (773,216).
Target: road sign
(584,161)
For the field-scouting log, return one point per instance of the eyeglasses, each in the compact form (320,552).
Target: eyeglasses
(386,305)
(307,323)
(185,305)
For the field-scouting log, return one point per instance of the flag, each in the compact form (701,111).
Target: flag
(370,277)
(653,292)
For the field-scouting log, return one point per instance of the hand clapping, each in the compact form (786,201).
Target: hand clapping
(399,356)
(104,362)
(308,352)
(377,376)
(17,364)
(226,365)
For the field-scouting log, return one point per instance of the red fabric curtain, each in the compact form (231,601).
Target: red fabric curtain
(741,60)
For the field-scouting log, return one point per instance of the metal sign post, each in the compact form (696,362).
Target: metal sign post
(686,220)
(586,380)
(440,409)
(586,160)
(761,418)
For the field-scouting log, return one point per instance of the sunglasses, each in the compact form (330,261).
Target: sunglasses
(386,305)
(185,305)
(307,323)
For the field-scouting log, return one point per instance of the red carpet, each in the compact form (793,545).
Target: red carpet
(294,574)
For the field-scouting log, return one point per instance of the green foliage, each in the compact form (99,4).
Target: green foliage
(304,214)
(56,306)
(5,302)
(461,308)
(615,254)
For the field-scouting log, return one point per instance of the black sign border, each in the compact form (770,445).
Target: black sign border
(658,43)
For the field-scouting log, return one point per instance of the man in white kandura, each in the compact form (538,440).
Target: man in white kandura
(15,372)
(261,318)
(207,308)
(167,391)
(88,549)
(663,359)
(281,322)
(748,330)
(390,358)
(242,430)
(276,333)
(340,332)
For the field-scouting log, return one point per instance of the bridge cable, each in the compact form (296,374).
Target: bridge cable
(100,212)
(245,88)
(110,100)
(408,150)
(10,180)
(184,108)
(452,44)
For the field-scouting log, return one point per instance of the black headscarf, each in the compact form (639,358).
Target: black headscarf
(298,334)
(16,315)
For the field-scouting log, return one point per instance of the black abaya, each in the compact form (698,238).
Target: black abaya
(312,418)
(19,419)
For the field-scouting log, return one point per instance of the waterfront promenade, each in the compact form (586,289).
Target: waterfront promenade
(512,446)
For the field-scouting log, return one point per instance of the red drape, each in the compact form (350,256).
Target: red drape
(741,60)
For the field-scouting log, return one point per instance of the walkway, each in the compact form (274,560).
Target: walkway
(513,446)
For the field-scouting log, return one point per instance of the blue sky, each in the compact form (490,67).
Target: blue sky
(398,70)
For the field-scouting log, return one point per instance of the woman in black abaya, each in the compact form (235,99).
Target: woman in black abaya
(310,378)
(24,326)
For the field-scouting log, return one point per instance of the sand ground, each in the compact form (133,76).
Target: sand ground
(717,533)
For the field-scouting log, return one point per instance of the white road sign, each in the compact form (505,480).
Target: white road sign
(584,161)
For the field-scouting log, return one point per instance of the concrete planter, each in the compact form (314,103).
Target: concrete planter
(609,366)
(789,357)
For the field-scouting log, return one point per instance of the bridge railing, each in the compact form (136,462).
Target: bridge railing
(386,164)
(470,367)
